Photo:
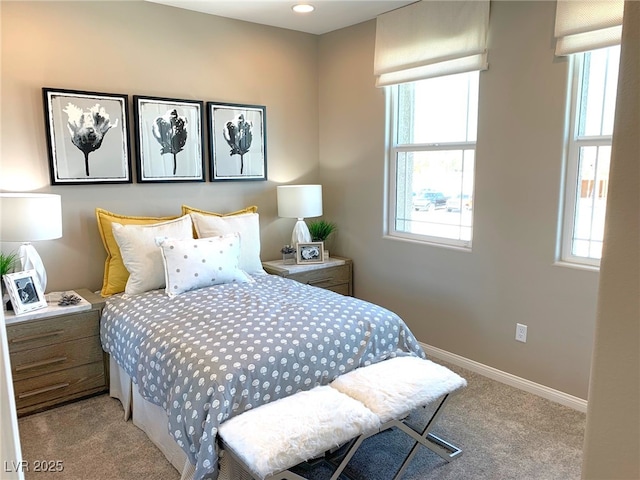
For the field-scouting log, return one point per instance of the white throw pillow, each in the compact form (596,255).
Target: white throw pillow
(141,255)
(197,263)
(246,225)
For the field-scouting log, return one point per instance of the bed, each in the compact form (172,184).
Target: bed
(201,352)
(212,353)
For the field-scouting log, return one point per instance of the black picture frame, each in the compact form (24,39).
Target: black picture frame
(87,137)
(169,139)
(237,141)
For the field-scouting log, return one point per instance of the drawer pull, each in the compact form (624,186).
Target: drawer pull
(36,337)
(316,282)
(42,390)
(41,363)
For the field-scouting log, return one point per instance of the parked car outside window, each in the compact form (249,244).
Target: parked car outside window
(429,201)
(459,202)
(432,144)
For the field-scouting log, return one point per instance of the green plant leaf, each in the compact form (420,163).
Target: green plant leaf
(321,229)
(7,262)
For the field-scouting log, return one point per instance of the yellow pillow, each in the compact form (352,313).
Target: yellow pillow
(186,210)
(115,273)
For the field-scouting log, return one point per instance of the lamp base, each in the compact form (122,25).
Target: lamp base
(30,260)
(300,233)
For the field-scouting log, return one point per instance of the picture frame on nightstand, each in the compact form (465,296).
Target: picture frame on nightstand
(24,291)
(311,252)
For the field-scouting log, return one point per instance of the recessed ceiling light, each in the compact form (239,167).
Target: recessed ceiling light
(303,8)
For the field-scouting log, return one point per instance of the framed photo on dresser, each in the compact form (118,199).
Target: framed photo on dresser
(312,252)
(24,291)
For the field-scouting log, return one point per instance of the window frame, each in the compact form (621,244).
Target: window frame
(393,148)
(574,143)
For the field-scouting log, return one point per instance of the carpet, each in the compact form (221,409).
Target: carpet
(505,433)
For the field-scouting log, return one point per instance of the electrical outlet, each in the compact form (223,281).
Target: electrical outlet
(521,333)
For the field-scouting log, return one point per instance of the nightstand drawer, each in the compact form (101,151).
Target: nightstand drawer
(325,277)
(56,355)
(40,333)
(342,289)
(52,358)
(68,384)
(334,274)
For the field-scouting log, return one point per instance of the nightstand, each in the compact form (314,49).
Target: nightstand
(55,353)
(335,273)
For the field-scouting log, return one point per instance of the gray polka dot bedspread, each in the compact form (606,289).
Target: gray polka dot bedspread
(213,353)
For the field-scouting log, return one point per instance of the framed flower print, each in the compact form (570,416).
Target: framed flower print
(238,141)
(87,137)
(169,139)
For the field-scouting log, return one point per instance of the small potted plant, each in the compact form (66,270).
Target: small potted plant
(7,264)
(288,255)
(320,231)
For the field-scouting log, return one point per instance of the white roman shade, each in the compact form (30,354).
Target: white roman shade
(583,25)
(431,39)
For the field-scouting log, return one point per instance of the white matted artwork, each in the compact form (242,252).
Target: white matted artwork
(87,137)
(238,141)
(169,139)
(24,291)
(312,252)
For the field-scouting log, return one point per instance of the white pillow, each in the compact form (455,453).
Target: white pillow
(197,263)
(140,253)
(246,225)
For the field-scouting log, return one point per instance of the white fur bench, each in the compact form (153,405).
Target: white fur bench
(394,388)
(272,438)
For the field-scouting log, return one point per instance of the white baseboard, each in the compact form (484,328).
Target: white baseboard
(508,379)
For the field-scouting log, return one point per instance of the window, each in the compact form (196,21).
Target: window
(433,126)
(589,153)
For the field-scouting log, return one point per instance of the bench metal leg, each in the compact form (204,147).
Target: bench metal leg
(350,453)
(442,448)
(289,475)
(445,450)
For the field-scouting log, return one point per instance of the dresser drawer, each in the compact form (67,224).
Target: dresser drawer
(342,289)
(334,274)
(325,277)
(66,384)
(40,333)
(45,360)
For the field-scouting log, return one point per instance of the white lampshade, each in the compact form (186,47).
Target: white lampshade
(300,201)
(30,217)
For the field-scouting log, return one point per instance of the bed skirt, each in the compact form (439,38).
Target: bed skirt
(152,420)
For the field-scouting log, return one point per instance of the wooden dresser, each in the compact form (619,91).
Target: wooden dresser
(335,274)
(56,355)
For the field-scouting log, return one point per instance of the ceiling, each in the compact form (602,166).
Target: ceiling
(329,15)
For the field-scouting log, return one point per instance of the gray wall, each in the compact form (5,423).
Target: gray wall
(614,396)
(469,303)
(465,303)
(148,49)
(326,122)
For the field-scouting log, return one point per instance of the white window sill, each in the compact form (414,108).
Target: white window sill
(577,266)
(459,248)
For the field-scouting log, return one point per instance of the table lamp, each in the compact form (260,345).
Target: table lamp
(299,201)
(30,217)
